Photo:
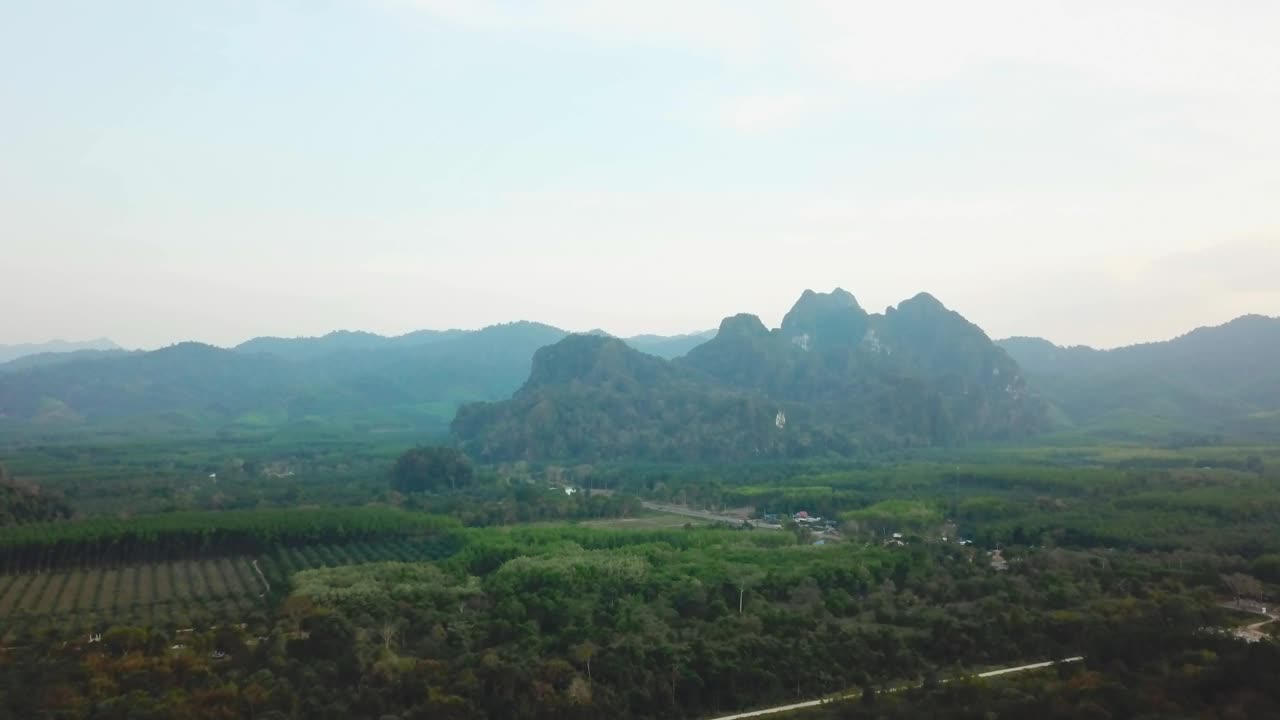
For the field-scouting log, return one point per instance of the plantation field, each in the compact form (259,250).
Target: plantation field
(180,593)
(150,592)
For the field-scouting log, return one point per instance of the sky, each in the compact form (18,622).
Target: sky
(1091,172)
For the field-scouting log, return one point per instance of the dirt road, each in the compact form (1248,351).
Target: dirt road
(1254,631)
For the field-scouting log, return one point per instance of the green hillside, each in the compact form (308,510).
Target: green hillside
(832,380)
(1213,380)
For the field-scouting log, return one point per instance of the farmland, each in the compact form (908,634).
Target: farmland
(181,593)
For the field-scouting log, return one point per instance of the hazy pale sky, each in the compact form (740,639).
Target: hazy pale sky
(1093,172)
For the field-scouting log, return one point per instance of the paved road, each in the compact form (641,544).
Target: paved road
(704,515)
(821,701)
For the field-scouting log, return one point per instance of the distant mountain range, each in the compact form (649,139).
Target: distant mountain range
(350,378)
(13,352)
(832,379)
(1215,380)
(837,379)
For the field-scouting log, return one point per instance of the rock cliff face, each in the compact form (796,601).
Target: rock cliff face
(845,381)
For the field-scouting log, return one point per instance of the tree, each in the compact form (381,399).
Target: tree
(1242,585)
(746,578)
(583,652)
(297,608)
(389,634)
(423,469)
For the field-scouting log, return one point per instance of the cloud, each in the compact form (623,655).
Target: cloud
(763,113)
(1158,45)
(1245,267)
(1219,61)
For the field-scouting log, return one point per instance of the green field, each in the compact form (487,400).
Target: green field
(177,594)
(646,521)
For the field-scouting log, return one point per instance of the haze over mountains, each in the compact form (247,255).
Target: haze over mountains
(838,379)
(344,379)
(1223,379)
(13,352)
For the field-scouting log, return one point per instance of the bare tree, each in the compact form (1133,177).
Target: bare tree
(1242,585)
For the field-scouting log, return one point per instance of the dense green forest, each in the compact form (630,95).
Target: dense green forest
(583,623)
(1192,677)
(440,587)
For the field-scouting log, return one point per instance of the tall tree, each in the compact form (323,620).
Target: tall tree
(424,469)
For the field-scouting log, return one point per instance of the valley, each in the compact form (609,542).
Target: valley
(888,509)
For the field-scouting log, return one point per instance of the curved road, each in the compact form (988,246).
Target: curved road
(822,701)
(1253,632)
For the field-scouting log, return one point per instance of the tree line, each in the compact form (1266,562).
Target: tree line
(44,546)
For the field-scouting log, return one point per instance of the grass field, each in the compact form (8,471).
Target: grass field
(647,521)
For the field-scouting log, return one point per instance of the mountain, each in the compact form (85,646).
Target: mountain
(192,385)
(919,374)
(310,347)
(846,380)
(13,352)
(181,379)
(664,346)
(831,379)
(593,397)
(1221,380)
(669,347)
(55,358)
(350,378)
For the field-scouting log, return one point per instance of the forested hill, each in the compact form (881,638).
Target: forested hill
(412,382)
(193,386)
(590,396)
(1222,379)
(832,379)
(54,358)
(13,352)
(348,340)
